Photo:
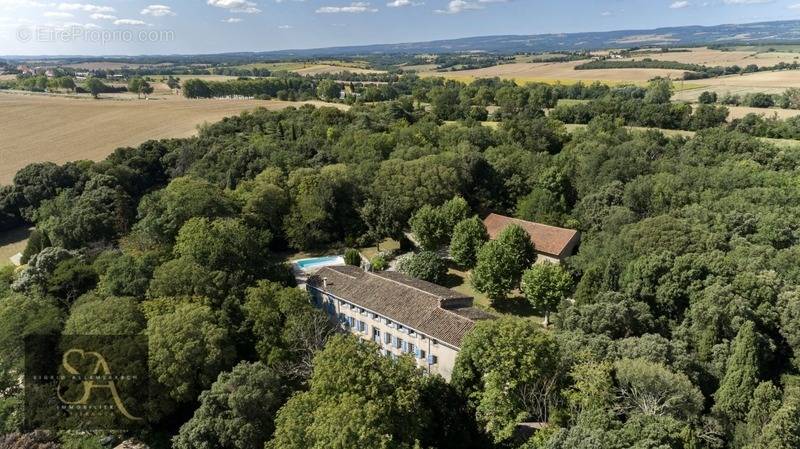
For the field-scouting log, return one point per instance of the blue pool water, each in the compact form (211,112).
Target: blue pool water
(319,261)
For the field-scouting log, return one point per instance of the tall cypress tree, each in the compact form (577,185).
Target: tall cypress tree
(741,377)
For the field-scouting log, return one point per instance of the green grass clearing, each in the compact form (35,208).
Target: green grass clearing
(387,245)
(571,102)
(515,305)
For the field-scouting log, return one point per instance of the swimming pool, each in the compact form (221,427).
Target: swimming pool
(319,262)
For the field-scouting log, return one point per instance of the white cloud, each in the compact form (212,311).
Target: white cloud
(403,3)
(457,6)
(157,11)
(242,6)
(99,16)
(132,22)
(285,27)
(745,2)
(14,4)
(606,13)
(795,6)
(85,7)
(355,7)
(231,20)
(58,15)
(679,4)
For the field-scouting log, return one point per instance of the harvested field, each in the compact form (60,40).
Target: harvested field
(39,128)
(205,77)
(710,57)
(419,67)
(563,72)
(760,80)
(327,68)
(741,111)
(312,68)
(103,66)
(767,82)
(692,95)
(12,242)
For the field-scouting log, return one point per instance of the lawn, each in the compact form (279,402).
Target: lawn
(516,304)
(371,251)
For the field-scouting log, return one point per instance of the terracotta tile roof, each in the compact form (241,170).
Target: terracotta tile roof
(439,312)
(546,239)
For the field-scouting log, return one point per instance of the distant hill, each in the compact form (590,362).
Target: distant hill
(749,33)
(762,33)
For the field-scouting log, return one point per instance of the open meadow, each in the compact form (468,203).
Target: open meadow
(37,128)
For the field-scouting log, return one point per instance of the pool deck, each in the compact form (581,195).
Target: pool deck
(301,274)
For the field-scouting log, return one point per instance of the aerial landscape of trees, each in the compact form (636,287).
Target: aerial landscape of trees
(674,326)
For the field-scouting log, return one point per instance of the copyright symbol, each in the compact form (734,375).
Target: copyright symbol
(24,34)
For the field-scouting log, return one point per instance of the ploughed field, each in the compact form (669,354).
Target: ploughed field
(36,128)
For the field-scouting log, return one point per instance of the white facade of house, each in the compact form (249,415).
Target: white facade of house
(395,339)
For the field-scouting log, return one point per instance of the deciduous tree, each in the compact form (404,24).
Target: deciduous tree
(545,286)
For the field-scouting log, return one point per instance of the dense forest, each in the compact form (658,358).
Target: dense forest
(683,330)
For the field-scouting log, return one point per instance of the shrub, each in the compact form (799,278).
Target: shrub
(352,257)
(425,265)
(379,263)
(708,97)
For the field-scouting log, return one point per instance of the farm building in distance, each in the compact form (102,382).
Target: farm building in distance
(401,314)
(552,244)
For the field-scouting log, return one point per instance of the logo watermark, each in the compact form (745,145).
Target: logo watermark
(85,34)
(86,382)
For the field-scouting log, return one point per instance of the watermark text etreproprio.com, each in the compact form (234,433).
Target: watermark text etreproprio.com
(90,35)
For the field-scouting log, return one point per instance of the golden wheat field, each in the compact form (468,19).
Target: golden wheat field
(37,128)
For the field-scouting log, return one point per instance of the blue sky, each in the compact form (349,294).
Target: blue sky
(109,27)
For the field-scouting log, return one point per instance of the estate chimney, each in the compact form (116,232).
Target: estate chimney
(325,283)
